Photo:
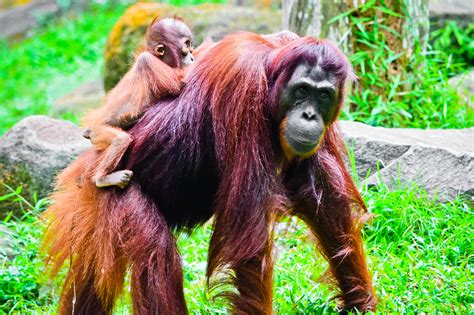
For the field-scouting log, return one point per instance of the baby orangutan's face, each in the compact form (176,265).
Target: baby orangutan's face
(171,40)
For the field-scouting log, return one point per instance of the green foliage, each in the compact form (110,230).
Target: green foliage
(399,90)
(422,99)
(419,251)
(38,70)
(456,41)
(23,288)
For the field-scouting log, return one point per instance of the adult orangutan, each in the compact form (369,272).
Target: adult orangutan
(251,137)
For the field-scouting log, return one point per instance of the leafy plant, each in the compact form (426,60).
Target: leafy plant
(457,42)
(397,89)
(22,283)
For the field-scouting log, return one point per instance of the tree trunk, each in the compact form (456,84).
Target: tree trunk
(417,25)
(311,17)
(319,18)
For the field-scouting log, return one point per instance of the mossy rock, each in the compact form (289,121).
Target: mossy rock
(205,20)
(31,155)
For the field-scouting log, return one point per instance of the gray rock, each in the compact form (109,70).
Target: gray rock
(465,85)
(443,173)
(18,20)
(34,151)
(461,11)
(451,7)
(86,96)
(441,161)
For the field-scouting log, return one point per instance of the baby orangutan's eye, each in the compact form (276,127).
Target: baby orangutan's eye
(160,50)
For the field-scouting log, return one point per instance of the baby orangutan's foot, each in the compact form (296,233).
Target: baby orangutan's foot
(119,178)
(87,133)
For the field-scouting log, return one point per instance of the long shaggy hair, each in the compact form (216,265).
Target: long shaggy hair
(213,150)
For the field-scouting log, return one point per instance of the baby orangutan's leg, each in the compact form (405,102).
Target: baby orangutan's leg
(114,142)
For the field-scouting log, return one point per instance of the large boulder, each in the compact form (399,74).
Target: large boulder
(33,152)
(206,20)
(441,161)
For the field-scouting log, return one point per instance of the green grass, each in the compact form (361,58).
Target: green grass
(455,40)
(431,101)
(54,61)
(419,251)
(400,90)
(59,58)
(22,285)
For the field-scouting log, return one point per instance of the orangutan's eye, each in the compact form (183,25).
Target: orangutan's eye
(302,91)
(323,94)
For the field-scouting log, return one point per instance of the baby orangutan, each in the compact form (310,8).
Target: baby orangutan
(157,72)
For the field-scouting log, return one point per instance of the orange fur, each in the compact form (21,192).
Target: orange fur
(203,48)
(74,230)
(148,80)
(287,150)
